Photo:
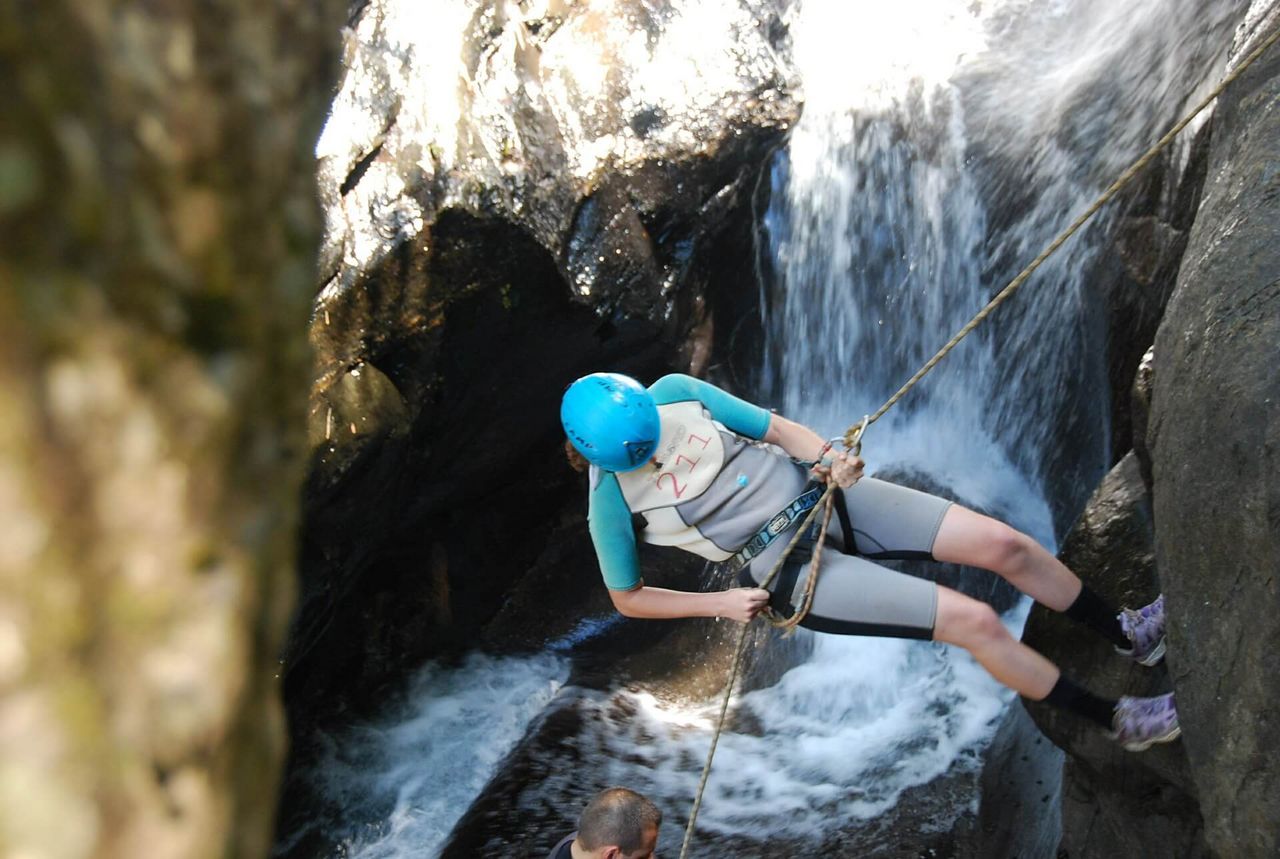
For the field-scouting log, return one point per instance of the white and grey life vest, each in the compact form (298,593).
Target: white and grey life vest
(709,489)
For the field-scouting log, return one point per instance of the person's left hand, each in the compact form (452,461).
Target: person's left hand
(846,470)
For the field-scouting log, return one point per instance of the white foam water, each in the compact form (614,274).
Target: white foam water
(831,742)
(402,782)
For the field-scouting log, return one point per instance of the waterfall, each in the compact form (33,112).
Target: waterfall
(941,147)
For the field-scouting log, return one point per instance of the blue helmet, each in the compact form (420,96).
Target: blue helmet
(612,420)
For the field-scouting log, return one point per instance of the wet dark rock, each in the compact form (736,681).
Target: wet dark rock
(1020,799)
(1137,271)
(1214,434)
(1111,546)
(1122,815)
(536,794)
(466,279)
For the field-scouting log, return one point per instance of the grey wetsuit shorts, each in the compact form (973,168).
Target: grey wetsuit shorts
(856,596)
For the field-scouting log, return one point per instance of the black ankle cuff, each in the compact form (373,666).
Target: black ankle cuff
(1066,695)
(1094,612)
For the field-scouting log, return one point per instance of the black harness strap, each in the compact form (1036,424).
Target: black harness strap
(800,556)
(778,524)
(846,524)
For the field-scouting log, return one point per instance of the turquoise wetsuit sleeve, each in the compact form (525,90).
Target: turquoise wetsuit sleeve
(609,520)
(737,414)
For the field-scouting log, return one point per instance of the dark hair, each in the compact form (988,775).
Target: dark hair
(617,816)
(577,461)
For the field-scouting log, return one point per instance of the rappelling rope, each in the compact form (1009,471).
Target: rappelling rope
(853,436)
(739,650)
(1125,178)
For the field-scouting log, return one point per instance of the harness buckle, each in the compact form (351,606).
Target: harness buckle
(777,525)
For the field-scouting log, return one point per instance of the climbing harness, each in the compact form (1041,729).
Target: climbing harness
(853,436)
(778,524)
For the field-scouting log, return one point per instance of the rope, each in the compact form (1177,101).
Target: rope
(740,650)
(853,435)
(1125,178)
(789,624)
(738,653)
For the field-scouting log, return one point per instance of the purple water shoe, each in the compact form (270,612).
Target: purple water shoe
(1140,722)
(1144,628)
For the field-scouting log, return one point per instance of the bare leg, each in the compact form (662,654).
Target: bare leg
(966,537)
(973,625)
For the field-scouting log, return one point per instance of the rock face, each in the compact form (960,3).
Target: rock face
(1114,803)
(1193,513)
(555,201)
(1214,437)
(159,230)
(1138,272)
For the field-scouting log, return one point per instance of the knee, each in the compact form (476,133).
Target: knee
(985,624)
(972,624)
(1008,550)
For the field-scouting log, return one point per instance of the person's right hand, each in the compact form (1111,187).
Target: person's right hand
(742,604)
(843,468)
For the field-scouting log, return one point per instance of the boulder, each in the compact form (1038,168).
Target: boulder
(1214,434)
(1137,271)
(1020,794)
(1114,802)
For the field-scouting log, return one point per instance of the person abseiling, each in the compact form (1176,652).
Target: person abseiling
(727,480)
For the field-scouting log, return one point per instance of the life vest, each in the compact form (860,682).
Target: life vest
(690,454)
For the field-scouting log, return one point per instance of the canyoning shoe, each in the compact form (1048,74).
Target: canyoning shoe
(1140,722)
(1144,628)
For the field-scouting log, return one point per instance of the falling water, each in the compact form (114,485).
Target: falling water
(941,148)
(942,145)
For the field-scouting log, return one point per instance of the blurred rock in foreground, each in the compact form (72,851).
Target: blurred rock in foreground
(159,231)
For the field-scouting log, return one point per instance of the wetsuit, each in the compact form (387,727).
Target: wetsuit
(714,484)
(563,850)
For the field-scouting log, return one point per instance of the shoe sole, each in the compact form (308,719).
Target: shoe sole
(1143,745)
(1156,654)
(1152,658)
